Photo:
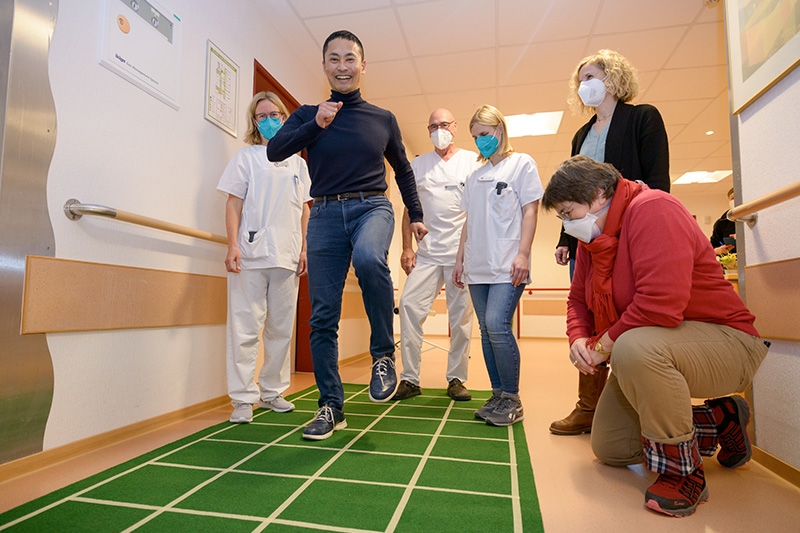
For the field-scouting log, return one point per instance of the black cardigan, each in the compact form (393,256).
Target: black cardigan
(636,145)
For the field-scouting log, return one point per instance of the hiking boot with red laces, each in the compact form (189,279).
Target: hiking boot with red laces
(677,495)
(732,415)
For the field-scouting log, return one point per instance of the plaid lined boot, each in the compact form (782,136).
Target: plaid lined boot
(681,484)
(732,414)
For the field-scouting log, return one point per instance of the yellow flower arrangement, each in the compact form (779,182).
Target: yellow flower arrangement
(728,261)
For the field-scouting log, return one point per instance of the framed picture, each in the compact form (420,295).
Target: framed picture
(763,46)
(222,89)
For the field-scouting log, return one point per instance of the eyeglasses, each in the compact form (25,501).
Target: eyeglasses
(274,114)
(441,125)
(565,213)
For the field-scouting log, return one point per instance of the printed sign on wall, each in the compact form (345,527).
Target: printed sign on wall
(222,89)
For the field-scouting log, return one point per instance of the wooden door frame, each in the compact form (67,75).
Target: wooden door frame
(264,81)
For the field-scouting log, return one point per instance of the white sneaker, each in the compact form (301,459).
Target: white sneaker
(242,413)
(279,404)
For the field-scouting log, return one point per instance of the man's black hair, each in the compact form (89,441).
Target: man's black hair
(347,36)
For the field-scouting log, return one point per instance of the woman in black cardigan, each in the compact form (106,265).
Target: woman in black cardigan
(634,140)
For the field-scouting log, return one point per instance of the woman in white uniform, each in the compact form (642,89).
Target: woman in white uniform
(501,200)
(265,217)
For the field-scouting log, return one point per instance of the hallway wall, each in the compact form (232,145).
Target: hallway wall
(768,144)
(118,146)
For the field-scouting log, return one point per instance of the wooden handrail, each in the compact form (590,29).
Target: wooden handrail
(747,211)
(74,210)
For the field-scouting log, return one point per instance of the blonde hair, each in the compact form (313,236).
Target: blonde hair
(253,136)
(488,115)
(622,80)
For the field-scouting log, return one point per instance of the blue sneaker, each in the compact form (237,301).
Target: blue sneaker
(327,420)
(384,381)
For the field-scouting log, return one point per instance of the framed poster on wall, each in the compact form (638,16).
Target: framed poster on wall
(222,89)
(763,46)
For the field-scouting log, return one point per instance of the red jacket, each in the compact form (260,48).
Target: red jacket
(665,272)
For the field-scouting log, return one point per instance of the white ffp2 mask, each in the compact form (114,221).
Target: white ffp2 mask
(592,92)
(441,139)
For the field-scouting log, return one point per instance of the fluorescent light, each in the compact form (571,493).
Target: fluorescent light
(534,124)
(702,176)
(710,132)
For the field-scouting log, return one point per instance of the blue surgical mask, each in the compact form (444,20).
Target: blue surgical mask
(487,145)
(269,127)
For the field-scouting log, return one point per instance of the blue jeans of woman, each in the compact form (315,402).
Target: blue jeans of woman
(494,306)
(338,231)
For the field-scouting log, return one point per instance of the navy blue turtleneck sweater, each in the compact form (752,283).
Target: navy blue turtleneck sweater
(347,156)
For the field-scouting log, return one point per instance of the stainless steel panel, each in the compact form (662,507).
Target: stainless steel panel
(27,141)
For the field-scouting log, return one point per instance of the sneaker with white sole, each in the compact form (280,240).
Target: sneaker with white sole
(278,404)
(488,407)
(327,420)
(242,413)
(384,383)
(507,412)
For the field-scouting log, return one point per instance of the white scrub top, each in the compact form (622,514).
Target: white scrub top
(493,199)
(440,185)
(270,233)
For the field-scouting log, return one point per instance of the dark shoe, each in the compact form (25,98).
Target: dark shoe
(732,415)
(457,391)
(384,383)
(677,495)
(580,419)
(576,423)
(508,412)
(488,407)
(327,420)
(406,390)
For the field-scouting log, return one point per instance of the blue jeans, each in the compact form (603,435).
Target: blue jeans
(339,231)
(495,305)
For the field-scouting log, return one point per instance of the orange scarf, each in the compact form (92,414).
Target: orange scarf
(603,250)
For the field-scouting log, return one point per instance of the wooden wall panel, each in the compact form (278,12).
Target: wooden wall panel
(439,307)
(63,295)
(773,296)
(353,305)
(544,307)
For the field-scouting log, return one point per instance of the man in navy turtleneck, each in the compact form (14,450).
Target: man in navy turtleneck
(347,140)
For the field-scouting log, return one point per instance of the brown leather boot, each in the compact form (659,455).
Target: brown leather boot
(580,419)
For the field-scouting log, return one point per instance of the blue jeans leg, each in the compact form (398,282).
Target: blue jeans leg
(371,225)
(338,231)
(494,306)
(328,253)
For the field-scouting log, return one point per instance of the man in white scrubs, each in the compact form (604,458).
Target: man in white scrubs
(440,177)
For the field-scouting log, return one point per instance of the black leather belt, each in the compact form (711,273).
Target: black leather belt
(349,196)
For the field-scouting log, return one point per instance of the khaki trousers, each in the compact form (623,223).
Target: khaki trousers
(655,373)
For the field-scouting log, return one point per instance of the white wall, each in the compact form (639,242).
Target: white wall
(119,146)
(768,137)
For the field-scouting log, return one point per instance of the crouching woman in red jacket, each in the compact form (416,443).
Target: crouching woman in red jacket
(650,299)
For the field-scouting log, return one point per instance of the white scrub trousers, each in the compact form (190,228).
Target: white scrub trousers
(261,297)
(421,288)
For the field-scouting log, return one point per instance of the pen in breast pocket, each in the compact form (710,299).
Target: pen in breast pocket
(500,186)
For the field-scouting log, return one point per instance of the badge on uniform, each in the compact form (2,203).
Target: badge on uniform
(486,178)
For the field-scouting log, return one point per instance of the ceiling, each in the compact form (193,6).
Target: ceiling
(518,55)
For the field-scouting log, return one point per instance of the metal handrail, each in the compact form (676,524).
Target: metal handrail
(74,210)
(747,211)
